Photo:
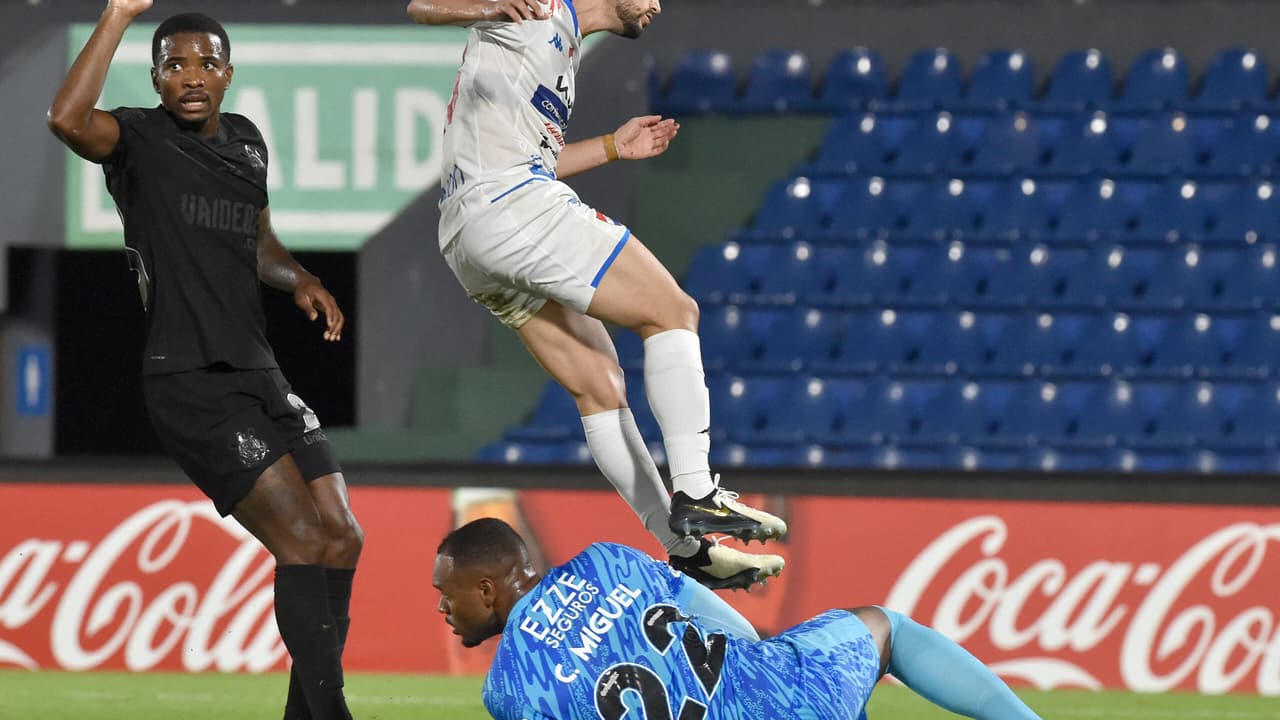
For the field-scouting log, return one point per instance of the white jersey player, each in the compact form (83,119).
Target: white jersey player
(552,269)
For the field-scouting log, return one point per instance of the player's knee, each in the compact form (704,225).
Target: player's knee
(881,631)
(304,542)
(687,313)
(345,544)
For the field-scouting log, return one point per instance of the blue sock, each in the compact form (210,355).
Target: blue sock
(946,674)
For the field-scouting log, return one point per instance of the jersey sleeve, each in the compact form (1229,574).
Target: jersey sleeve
(133,128)
(711,612)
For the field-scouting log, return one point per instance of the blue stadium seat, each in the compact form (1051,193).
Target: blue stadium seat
(932,145)
(1257,423)
(806,335)
(795,267)
(1249,214)
(1051,459)
(1086,145)
(945,210)
(1081,80)
(964,412)
(1235,79)
(1189,276)
(1114,275)
(866,413)
(1113,343)
(859,144)
(854,79)
(555,417)
(869,341)
(1037,275)
(1258,347)
(1095,209)
(1001,79)
(535,453)
(955,341)
(1015,211)
(1157,79)
(790,209)
(1115,416)
(1171,212)
(780,81)
(971,459)
(1010,143)
(1166,143)
(1252,281)
(1246,145)
(850,277)
(731,272)
(866,207)
(748,408)
(964,274)
(830,457)
(931,79)
(1198,414)
(703,82)
(1033,341)
(735,337)
(1037,411)
(931,275)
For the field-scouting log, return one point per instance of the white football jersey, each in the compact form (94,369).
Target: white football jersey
(507,119)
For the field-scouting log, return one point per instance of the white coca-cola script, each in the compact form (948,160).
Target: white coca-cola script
(136,592)
(1176,625)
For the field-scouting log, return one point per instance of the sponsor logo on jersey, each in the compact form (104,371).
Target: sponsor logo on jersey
(547,102)
(557,43)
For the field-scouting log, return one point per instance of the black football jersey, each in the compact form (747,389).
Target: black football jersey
(190,208)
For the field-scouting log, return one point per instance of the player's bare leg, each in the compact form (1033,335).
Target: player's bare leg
(282,514)
(638,293)
(577,351)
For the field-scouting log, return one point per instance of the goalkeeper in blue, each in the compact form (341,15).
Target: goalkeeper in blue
(615,634)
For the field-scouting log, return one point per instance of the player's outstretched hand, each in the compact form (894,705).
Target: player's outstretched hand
(132,8)
(520,10)
(645,136)
(311,296)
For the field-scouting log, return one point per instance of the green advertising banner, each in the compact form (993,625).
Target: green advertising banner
(352,118)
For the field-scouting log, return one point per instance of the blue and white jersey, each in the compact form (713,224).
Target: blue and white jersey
(613,630)
(510,109)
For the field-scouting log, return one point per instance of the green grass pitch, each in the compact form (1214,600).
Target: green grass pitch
(152,696)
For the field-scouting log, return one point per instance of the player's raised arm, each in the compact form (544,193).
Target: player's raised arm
(278,268)
(467,12)
(90,132)
(639,138)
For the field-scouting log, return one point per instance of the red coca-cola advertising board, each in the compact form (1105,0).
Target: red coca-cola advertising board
(1050,594)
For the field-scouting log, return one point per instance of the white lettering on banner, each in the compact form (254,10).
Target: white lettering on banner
(228,626)
(1084,609)
(312,173)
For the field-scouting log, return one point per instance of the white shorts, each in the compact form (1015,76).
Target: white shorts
(533,243)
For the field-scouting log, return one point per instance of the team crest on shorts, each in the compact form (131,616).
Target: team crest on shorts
(252,450)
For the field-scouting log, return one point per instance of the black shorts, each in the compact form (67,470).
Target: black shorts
(225,426)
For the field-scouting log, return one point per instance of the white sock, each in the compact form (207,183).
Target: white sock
(620,453)
(677,391)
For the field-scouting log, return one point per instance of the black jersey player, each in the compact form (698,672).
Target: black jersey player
(190,183)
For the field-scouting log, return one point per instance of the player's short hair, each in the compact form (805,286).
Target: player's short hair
(482,541)
(188,22)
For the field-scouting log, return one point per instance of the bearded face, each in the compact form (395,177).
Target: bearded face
(636,15)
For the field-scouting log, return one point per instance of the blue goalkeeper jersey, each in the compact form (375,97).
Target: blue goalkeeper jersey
(614,632)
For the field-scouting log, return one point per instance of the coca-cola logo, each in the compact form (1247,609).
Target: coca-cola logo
(1178,628)
(171,582)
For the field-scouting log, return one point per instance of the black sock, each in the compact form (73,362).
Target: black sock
(339,585)
(310,633)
